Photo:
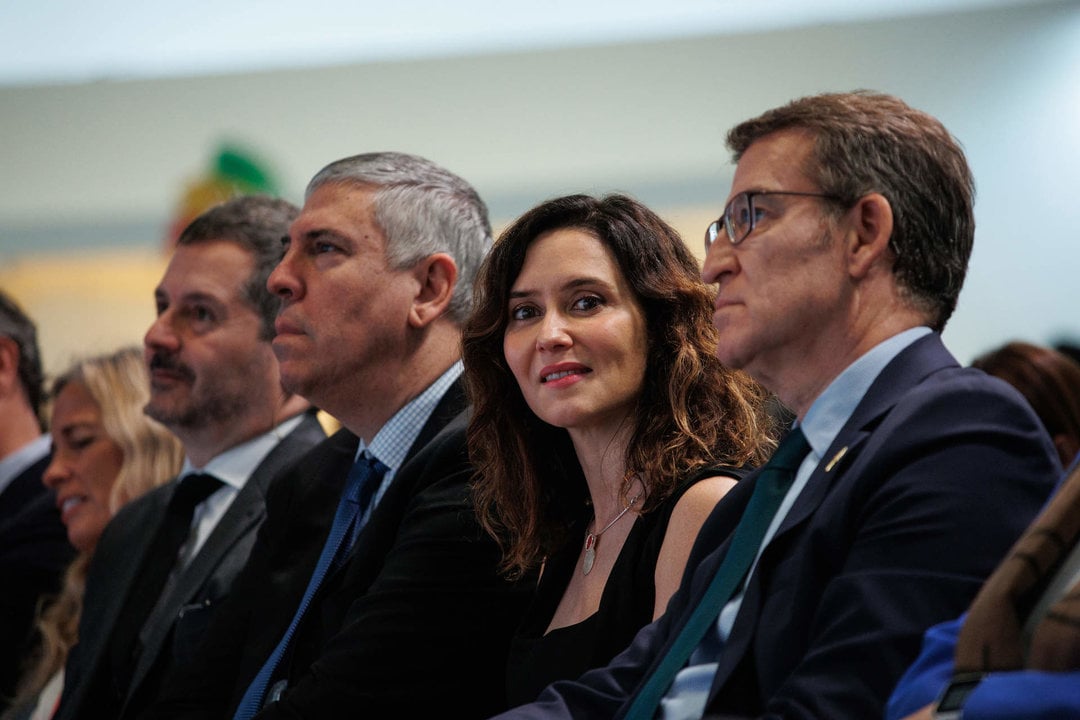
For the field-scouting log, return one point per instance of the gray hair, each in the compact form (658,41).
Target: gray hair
(422,209)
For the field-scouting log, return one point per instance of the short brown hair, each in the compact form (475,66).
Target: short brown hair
(869,142)
(258,224)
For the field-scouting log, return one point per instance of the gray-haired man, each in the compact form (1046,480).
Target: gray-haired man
(372,590)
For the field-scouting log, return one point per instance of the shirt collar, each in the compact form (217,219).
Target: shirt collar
(234,466)
(392,442)
(835,405)
(14,464)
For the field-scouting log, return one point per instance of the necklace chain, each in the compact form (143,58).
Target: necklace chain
(618,517)
(592,538)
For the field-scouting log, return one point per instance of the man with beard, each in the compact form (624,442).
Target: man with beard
(168,559)
(371,591)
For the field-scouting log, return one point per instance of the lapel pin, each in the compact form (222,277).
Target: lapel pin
(836,459)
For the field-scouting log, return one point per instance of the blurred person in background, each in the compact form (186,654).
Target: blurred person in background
(34,550)
(1050,380)
(106,452)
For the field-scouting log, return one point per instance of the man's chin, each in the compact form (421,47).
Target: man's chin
(167,415)
(295,383)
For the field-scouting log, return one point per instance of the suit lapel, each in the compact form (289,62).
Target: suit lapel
(239,521)
(245,511)
(923,357)
(449,406)
(906,370)
(391,506)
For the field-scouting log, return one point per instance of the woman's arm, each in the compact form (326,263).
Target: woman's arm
(686,520)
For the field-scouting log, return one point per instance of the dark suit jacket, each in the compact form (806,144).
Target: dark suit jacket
(944,468)
(34,552)
(176,625)
(416,623)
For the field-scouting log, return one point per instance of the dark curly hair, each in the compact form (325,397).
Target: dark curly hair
(693,412)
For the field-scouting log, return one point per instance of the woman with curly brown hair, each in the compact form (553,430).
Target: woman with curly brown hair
(604,429)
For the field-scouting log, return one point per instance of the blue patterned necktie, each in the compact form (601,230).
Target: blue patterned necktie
(363,480)
(771,486)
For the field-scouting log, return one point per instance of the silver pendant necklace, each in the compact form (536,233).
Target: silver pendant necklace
(592,538)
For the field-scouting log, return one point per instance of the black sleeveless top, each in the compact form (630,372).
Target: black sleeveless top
(626,604)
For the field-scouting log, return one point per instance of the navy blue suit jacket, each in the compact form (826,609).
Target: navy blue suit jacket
(943,470)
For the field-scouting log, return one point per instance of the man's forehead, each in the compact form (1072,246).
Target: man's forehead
(339,197)
(344,210)
(776,161)
(214,269)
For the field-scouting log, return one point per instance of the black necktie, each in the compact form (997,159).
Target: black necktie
(771,486)
(161,558)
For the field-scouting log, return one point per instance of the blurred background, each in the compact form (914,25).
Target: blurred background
(119,120)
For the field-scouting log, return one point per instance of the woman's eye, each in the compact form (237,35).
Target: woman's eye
(588,302)
(522,312)
(80,443)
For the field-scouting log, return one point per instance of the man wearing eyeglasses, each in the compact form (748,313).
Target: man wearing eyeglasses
(838,259)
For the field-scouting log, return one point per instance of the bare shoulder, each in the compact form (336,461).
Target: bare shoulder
(699,500)
(687,517)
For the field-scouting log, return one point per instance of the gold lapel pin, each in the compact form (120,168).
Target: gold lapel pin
(836,459)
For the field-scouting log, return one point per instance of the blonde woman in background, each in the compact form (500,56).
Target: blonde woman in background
(106,452)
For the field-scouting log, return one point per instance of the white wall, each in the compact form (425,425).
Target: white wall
(104,163)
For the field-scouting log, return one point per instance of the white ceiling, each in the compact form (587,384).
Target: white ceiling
(62,41)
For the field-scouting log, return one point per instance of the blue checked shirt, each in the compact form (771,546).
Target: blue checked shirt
(392,442)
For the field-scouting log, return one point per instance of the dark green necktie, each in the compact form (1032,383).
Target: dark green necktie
(772,484)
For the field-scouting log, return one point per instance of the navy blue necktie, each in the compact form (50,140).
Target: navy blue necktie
(363,480)
(771,486)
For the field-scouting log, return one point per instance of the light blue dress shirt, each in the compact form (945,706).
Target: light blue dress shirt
(826,417)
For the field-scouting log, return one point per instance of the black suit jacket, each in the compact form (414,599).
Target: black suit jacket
(177,624)
(34,552)
(943,469)
(417,621)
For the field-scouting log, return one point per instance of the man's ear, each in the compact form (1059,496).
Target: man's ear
(872,226)
(9,365)
(436,276)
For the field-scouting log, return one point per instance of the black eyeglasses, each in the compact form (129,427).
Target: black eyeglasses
(745,209)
